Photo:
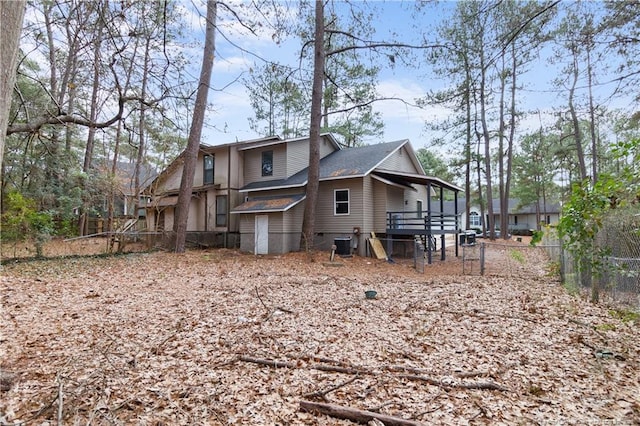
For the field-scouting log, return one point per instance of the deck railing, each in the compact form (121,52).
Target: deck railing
(406,222)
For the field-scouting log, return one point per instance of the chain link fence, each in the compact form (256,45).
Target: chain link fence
(509,258)
(616,273)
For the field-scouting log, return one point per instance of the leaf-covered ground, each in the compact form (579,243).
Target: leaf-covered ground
(163,339)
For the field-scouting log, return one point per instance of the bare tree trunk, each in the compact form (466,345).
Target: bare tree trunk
(93,114)
(592,116)
(468,133)
(512,132)
(577,133)
(313,181)
(479,170)
(141,131)
(11,14)
(504,202)
(195,133)
(487,145)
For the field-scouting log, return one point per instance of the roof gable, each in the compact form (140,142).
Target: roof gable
(344,163)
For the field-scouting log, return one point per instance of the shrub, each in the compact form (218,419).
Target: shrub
(21,221)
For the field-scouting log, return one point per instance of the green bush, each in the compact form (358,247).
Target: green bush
(537,237)
(21,221)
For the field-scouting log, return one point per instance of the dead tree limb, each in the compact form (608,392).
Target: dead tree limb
(268,362)
(354,414)
(390,369)
(461,385)
(323,394)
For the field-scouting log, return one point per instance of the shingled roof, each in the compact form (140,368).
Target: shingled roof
(344,163)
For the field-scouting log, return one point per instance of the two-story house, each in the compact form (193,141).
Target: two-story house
(251,194)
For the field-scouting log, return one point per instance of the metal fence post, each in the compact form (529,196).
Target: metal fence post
(482,249)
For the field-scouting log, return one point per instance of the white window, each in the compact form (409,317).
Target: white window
(341,198)
(474,220)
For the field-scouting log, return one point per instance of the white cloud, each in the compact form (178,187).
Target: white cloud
(404,120)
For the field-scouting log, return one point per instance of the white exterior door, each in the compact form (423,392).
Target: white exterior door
(262,234)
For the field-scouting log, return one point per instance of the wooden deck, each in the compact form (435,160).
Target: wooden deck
(423,226)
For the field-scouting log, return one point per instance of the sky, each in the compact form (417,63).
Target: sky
(238,51)
(231,109)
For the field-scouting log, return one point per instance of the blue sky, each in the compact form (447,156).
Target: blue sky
(229,120)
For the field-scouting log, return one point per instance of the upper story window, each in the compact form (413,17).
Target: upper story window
(341,198)
(267,163)
(207,176)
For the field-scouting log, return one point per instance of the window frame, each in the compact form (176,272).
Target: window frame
(208,173)
(223,214)
(474,219)
(267,159)
(337,203)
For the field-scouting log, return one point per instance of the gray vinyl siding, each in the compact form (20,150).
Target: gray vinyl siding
(413,196)
(395,199)
(400,160)
(368,205)
(326,221)
(293,219)
(253,163)
(297,156)
(293,228)
(379,206)
(326,147)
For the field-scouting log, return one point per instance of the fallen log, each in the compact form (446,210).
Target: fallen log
(354,414)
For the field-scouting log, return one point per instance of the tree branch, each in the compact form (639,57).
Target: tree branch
(354,414)
(61,119)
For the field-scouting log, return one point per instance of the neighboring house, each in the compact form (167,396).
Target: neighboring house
(254,192)
(124,185)
(521,218)
(127,194)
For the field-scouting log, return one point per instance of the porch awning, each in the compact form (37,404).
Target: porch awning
(269,204)
(409,178)
(401,184)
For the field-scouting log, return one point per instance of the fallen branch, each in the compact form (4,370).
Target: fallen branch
(268,362)
(60,399)
(446,385)
(391,369)
(323,394)
(354,414)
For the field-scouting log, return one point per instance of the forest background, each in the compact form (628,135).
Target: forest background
(507,99)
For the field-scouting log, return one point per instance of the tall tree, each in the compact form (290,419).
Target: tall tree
(277,92)
(280,103)
(313,180)
(11,14)
(191,152)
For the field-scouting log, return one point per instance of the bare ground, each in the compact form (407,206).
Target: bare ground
(160,339)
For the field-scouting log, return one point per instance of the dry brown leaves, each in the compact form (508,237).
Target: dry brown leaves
(157,339)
